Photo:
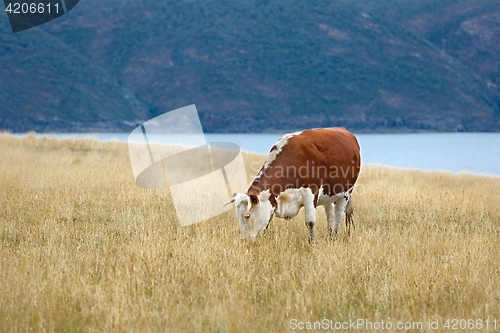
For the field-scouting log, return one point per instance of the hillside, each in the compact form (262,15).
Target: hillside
(47,85)
(249,67)
(467,30)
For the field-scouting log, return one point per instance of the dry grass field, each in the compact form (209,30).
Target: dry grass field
(83,249)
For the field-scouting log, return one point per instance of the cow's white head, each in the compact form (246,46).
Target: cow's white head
(253,213)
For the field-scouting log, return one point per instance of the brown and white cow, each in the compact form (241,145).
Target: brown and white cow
(303,169)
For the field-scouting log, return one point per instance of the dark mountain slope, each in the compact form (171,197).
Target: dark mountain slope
(253,66)
(467,30)
(47,86)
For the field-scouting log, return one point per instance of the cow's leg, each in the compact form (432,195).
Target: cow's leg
(330,219)
(310,213)
(349,211)
(338,213)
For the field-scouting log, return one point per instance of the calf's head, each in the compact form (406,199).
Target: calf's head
(254,212)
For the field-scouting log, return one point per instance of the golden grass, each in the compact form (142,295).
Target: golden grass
(82,248)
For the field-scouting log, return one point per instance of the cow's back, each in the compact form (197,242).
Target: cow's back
(326,158)
(331,146)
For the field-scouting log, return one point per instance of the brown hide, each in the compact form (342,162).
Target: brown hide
(327,157)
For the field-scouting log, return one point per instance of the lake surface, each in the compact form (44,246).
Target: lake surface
(477,153)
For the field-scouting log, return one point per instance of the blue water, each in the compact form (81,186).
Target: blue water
(477,153)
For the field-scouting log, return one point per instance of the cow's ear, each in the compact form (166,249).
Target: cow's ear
(254,199)
(264,196)
(238,198)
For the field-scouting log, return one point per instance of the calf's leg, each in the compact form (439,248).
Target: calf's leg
(310,213)
(338,214)
(330,219)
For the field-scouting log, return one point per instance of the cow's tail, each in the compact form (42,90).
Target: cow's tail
(349,212)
